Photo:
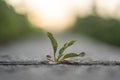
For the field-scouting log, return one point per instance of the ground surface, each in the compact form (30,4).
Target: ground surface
(36,48)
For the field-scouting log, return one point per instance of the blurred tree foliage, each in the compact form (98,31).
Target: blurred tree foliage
(12,25)
(107,30)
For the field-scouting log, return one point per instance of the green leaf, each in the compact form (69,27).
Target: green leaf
(82,54)
(48,57)
(53,41)
(70,55)
(66,45)
(69,43)
(59,56)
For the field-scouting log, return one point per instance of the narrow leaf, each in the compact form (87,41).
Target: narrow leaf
(60,53)
(70,55)
(59,56)
(66,45)
(69,43)
(53,41)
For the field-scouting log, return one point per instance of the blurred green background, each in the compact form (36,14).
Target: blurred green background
(101,29)
(14,26)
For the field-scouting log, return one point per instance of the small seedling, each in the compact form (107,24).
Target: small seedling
(61,56)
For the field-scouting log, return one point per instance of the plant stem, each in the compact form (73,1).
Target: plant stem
(54,57)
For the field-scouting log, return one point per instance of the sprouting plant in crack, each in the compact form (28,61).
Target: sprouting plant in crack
(61,56)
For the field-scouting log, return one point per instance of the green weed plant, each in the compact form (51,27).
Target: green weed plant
(61,57)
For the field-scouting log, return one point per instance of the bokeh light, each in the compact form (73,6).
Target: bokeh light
(59,15)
